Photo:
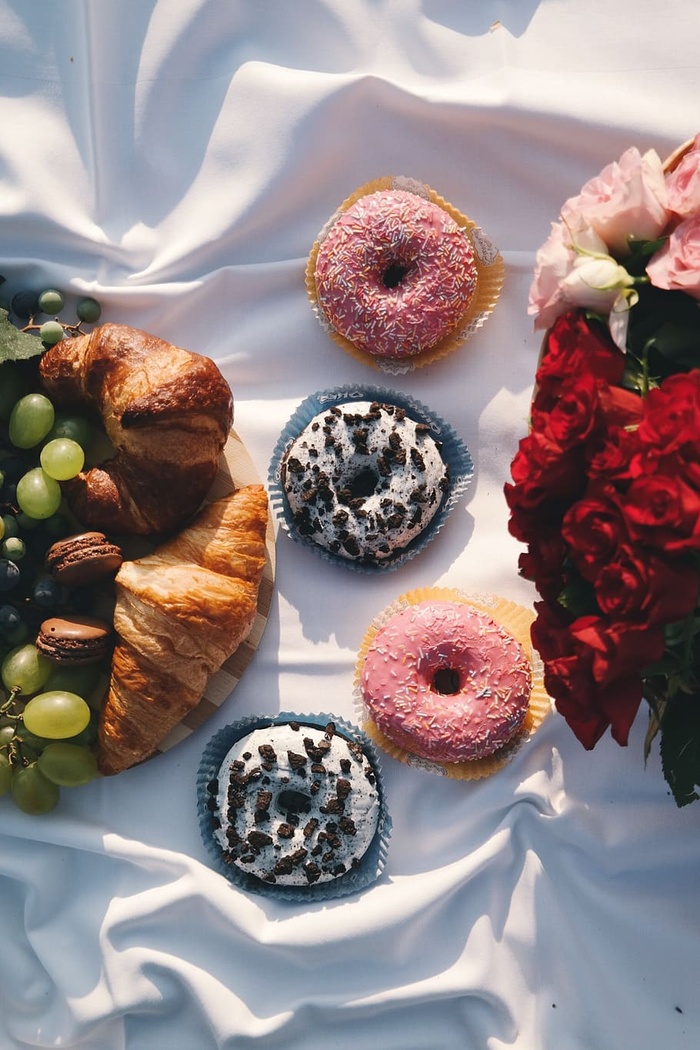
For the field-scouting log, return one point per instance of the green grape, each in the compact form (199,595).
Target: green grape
(62,458)
(13,548)
(56,714)
(10,526)
(89,310)
(51,301)
(67,764)
(74,427)
(80,680)
(51,332)
(88,736)
(38,495)
(31,740)
(2,527)
(24,668)
(57,526)
(25,522)
(5,773)
(11,389)
(30,420)
(6,734)
(32,792)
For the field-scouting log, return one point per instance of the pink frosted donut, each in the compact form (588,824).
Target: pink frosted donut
(445,682)
(394,274)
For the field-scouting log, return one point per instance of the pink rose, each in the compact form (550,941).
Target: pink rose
(683,184)
(628,199)
(676,266)
(573,269)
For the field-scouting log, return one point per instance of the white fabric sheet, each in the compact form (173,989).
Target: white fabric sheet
(176,158)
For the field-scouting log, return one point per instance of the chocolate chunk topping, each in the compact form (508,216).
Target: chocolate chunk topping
(259,839)
(297,762)
(333,805)
(310,827)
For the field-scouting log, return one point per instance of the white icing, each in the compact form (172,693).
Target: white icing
(398,493)
(338,841)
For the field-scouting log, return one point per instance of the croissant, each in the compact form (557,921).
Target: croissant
(166,411)
(180,613)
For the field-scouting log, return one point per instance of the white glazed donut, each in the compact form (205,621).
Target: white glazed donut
(298,804)
(363,480)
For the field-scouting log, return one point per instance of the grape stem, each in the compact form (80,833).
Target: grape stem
(8,709)
(71,329)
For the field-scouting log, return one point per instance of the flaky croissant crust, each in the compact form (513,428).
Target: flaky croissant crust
(180,613)
(167,412)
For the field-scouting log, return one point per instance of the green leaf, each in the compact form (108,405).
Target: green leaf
(578,597)
(16,345)
(680,747)
(666,326)
(641,251)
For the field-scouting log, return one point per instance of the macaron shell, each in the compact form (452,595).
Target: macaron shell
(83,559)
(75,640)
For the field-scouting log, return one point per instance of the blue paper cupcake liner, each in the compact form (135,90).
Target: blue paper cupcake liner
(358,878)
(453,451)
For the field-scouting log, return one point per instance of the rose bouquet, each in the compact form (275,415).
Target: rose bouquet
(606,484)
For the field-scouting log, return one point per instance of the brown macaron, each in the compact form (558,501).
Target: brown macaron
(75,639)
(83,559)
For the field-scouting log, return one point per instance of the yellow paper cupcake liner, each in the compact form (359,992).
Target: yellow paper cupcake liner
(489,264)
(516,620)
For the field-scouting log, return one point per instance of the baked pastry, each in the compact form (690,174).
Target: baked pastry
(363,480)
(180,612)
(394,273)
(167,412)
(294,804)
(445,682)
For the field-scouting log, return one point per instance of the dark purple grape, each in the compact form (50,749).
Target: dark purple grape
(47,593)
(9,574)
(9,619)
(25,305)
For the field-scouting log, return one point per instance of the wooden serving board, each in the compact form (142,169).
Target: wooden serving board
(236,469)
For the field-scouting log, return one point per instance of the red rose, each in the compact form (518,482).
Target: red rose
(663,510)
(588,705)
(672,414)
(550,631)
(620,649)
(589,708)
(615,455)
(542,474)
(574,346)
(643,586)
(569,682)
(542,563)
(595,530)
(567,414)
(620,407)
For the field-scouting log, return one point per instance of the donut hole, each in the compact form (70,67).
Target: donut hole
(394,274)
(446,681)
(292,801)
(362,484)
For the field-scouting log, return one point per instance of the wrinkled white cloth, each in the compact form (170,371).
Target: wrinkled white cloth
(176,158)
